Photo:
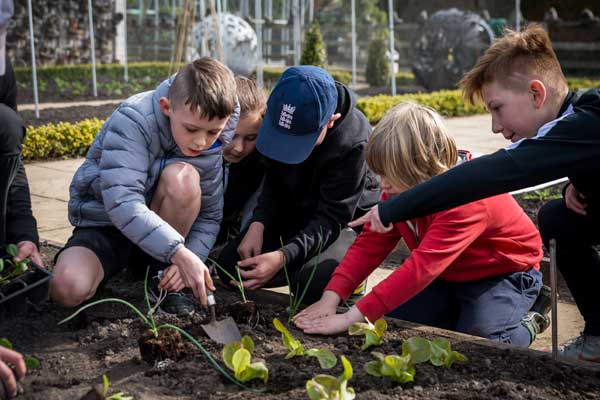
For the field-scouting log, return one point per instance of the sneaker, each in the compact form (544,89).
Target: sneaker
(176,303)
(535,323)
(583,347)
(358,294)
(543,303)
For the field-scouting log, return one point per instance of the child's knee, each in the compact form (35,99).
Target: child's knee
(69,286)
(182,182)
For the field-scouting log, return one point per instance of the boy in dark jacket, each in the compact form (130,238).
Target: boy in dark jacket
(313,138)
(555,133)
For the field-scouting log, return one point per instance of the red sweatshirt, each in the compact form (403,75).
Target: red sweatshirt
(485,238)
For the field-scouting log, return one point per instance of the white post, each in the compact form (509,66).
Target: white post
(297,39)
(311,11)
(269,32)
(391,26)
(121,41)
(203,46)
(156,27)
(518,15)
(174,16)
(258,21)
(92,46)
(219,27)
(353,21)
(33,65)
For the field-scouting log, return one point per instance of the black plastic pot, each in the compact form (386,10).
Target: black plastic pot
(30,287)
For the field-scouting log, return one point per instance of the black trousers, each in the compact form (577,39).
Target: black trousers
(299,271)
(577,259)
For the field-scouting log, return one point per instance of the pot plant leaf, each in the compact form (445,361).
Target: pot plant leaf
(1,264)
(394,367)
(418,348)
(373,332)
(443,355)
(31,363)
(327,387)
(327,359)
(12,250)
(4,342)
(292,344)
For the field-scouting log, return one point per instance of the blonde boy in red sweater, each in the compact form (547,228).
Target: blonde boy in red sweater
(473,268)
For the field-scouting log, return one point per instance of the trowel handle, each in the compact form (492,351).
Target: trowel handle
(211,304)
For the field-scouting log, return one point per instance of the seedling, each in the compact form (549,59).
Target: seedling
(237,357)
(238,282)
(437,351)
(373,332)
(326,358)
(395,367)
(18,267)
(30,362)
(116,396)
(327,387)
(295,300)
(151,323)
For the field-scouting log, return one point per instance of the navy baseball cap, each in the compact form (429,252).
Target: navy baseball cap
(302,102)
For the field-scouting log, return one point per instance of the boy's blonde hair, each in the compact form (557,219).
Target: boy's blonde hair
(207,86)
(410,145)
(527,53)
(251,97)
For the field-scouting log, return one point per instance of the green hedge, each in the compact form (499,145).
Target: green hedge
(271,75)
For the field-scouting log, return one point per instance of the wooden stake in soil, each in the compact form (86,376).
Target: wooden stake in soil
(553,296)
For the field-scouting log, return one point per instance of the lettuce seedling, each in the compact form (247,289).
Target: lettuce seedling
(443,355)
(418,348)
(326,358)
(19,267)
(373,332)
(237,357)
(395,367)
(30,362)
(327,387)
(116,396)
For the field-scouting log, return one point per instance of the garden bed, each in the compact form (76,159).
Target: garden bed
(74,357)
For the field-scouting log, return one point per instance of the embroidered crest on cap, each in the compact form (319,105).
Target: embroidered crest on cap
(286,116)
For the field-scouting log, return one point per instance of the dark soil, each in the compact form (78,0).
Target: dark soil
(105,341)
(67,114)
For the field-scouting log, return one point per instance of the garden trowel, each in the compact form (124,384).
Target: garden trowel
(223,331)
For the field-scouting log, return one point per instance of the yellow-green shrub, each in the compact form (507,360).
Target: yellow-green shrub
(582,83)
(447,102)
(61,140)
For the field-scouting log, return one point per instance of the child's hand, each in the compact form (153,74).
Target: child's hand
(574,200)
(194,273)
(171,281)
(333,324)
(372,217)
(7,377)
(257,271)
(325,307)
(252,242)
(28,249)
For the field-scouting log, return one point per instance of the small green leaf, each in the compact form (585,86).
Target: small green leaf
(359,328)
(20,267)
(347,374)
(105,384)
(1,264)
(228,352)
(240,361)
(31,363)
(247,343)
(326,358)
(371,339)
(294,346)
(257,370)
(4,342)
(321,386)
(418,348)
(373,368)
(439,354)
(12,250)
(380,327)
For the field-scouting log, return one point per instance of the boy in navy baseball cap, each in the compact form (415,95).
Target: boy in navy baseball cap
(313,139)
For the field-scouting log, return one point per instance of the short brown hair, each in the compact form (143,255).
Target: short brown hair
(251,97)
(207,86)
(528,52)
(410,145)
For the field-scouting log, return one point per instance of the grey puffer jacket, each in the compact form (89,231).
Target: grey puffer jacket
(114,186)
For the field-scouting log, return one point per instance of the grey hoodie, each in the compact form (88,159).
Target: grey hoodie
(114,185)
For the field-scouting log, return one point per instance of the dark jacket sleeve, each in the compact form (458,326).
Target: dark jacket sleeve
(340,190)
(570,148)
(20,223)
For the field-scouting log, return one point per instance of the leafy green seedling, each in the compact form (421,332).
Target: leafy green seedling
(30,362)
(327,387)
(395,367)
(418,348)
(18,267)
(443,355)
(116,396)
(238,282)
(326,358)
(148,319)
(373,332)
(237,356)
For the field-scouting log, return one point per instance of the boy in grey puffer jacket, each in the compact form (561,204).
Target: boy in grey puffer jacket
(151,185)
